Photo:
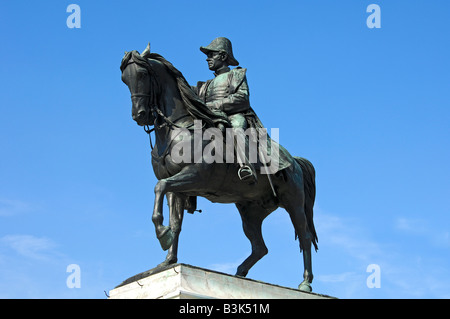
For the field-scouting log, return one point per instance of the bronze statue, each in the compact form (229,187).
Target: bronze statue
(162,98)
(228,92)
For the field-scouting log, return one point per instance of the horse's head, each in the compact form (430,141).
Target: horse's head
(136,74)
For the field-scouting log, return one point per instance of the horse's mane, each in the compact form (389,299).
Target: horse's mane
(194,105)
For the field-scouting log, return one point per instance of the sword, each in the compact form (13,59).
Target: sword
(261,155)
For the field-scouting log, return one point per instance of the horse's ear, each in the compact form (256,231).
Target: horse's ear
(146,52)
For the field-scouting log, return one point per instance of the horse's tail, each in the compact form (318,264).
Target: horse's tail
(309,176)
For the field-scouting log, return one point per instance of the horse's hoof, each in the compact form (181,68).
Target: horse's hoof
(241,273)
(166,238)
(305,286)
(165,264)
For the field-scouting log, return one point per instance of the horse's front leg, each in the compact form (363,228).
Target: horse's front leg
(187,180)
(163,233)
(176,204)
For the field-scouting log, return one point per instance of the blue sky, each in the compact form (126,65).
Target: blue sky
(368,107)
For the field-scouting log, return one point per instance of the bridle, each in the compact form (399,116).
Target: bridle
(147,128)
(157,113)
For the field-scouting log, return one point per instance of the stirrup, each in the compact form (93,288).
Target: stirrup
(248,173)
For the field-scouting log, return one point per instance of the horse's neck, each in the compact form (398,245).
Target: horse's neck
(172,106)
(171,103)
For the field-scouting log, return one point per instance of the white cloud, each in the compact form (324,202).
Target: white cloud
(413,225)
(29,246)
(227,267)
(348,236)
(434,234)
(405,271)
(10,207)
(337,278)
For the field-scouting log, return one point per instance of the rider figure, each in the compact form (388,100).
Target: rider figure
(228,92)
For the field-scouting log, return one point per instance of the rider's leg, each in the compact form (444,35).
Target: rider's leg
(246,169)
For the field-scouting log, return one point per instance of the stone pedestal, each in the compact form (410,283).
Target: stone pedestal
(181,281)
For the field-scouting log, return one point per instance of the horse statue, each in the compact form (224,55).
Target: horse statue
(162,98)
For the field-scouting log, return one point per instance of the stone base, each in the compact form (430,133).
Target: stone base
(180,281)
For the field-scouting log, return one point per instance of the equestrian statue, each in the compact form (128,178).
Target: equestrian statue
(192,126)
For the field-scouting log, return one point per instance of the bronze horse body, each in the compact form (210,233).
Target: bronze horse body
(160,98)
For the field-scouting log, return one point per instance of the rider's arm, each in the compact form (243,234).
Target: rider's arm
(237,100)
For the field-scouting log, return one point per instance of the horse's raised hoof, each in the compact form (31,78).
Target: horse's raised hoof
(166,238)
(305,286)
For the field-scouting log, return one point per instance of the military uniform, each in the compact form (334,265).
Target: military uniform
(227,92)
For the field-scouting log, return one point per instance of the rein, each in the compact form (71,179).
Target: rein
(156,111)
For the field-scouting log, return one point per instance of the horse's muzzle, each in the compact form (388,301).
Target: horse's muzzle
(140,118)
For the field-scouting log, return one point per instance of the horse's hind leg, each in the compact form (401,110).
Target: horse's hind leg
(298,218)
(252,217)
